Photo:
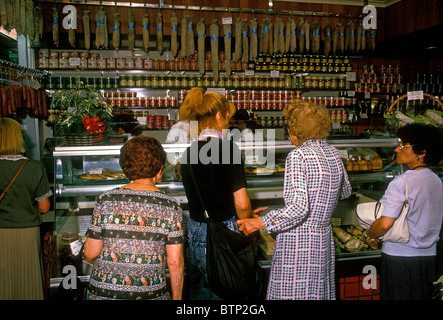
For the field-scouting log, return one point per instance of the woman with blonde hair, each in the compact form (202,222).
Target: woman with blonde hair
(21,272)
(219,173)
(315,179)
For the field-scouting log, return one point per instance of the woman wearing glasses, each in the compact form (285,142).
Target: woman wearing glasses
(408,269)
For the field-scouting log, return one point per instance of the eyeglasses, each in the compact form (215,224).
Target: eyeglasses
(401,146)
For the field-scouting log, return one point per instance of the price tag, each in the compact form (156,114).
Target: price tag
(227,20)
(251,159)
(367,95)
(350,76)
(350,93)
(96,171)
(343,153)
(249,72)
(415,95)
(275,74)
(76,246)
(222,91)
(74,62)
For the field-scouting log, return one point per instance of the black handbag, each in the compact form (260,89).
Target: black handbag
(231,264)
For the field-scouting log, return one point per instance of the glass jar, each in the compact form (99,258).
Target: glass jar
(341,84)
(334,83)
(67,251)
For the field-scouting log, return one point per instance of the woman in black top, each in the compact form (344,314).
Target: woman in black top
(219,174)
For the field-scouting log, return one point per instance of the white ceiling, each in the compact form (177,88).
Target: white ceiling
(376,3)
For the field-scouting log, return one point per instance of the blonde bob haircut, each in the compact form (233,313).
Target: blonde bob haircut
(11,139)
(307,121)
(203,106)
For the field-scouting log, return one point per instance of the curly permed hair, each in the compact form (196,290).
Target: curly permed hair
(142,157)
(307,121)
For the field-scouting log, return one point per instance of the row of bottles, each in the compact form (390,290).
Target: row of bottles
(305,63)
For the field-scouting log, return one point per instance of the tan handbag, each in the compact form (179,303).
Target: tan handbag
(368,212)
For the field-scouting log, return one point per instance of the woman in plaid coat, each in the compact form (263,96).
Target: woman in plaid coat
(315,179)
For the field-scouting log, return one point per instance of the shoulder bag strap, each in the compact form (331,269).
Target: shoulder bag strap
(406,189)
(13,179)
(205,212)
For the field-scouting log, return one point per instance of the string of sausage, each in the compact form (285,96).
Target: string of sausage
(159,22)
(316,37)
(116,31)
(131,30)
(190,41)
(86,19)
(145,32)
(227,38)
(201,32)
(55,27)
(184,27)
(301,38)
(254,40)
(214,33)
(238,40)
(174,32)
(245,41)
(327,38)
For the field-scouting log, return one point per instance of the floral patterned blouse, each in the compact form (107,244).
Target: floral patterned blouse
(135,226)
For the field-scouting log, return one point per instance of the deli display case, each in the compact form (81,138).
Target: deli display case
(82,173)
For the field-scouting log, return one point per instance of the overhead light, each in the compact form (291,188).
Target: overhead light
(431,48)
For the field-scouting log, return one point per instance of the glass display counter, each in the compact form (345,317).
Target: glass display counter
(82,173)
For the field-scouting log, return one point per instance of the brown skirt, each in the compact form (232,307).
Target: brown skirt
(21,271)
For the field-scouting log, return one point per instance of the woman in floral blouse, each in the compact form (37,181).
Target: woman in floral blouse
(315,179)
(136,231)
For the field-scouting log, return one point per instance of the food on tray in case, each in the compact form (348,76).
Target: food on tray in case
(363,160)
(352,239)
(106,174)
(265,169)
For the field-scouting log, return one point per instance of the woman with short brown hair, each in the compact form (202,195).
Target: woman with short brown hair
(136,230)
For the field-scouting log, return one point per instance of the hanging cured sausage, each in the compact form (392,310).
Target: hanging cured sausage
(301,38)
(238,40)
(358,37)
(190,45)
(174,34)
(316,37)
(116,29)
(183,35)
(227,38)
(159,22)
(245,40)
(214,32)
(55,27)
(253,31)
(131,30)
(145,32)
(307,36)
(86,19)
(327,34)
(201,32)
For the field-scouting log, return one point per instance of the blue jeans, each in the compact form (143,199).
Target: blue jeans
(196,256)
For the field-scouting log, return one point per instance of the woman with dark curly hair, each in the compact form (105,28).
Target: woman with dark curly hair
(408,269)
(135,231)
(303,264)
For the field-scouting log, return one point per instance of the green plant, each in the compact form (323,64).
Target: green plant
(83,110)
